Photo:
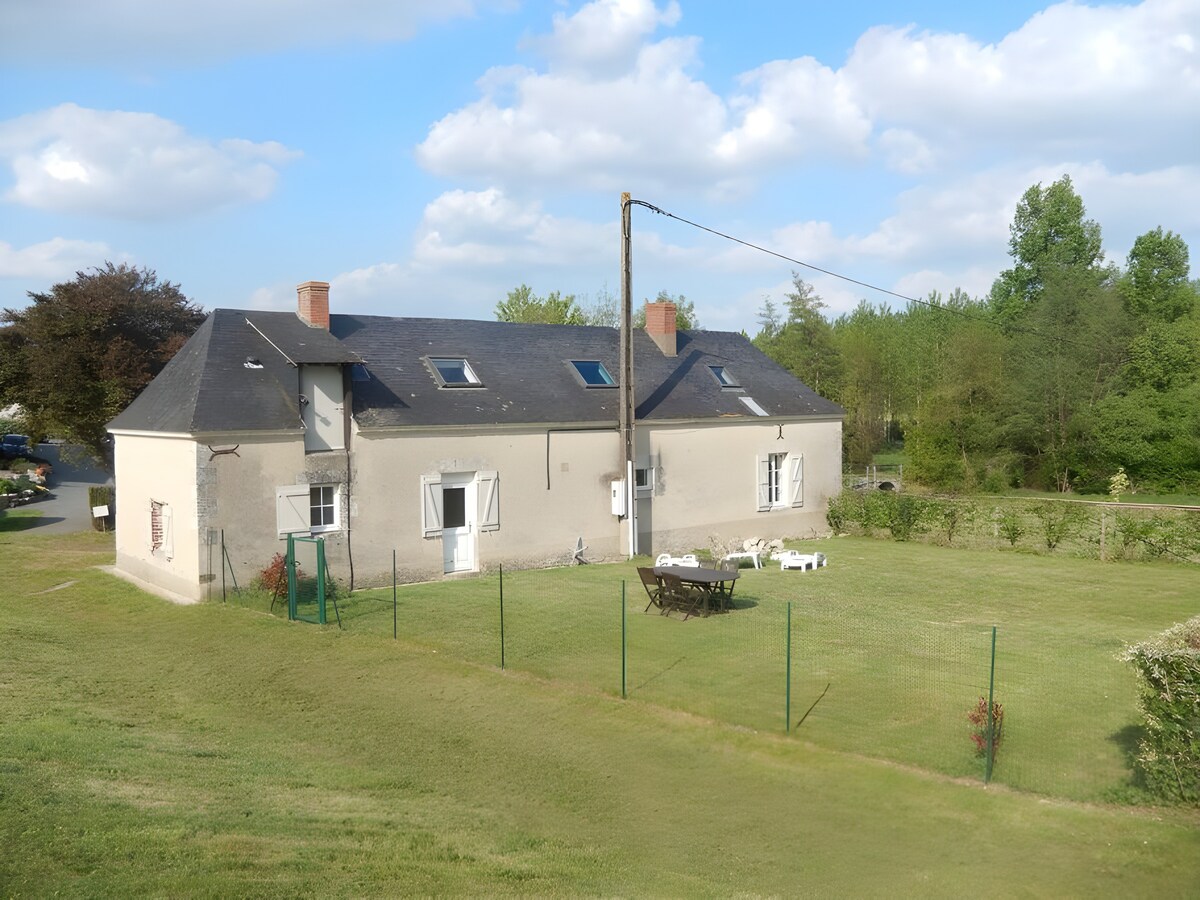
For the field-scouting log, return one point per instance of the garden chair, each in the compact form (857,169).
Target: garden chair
(675,595)
(653,586)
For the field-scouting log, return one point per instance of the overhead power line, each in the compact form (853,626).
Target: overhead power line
(847,278)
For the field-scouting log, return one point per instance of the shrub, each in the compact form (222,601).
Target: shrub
(273,578)
(978,717)
(8,486)
(1058,519)
(102,495)
(1168,668)
(952,515)
(1010,526)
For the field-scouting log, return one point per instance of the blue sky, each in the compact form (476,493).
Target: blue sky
(427,158)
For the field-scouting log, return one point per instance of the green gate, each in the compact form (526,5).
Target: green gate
(306,579)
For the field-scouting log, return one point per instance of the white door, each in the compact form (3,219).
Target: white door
(458,526)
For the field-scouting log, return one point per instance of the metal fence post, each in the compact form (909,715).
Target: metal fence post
(624,643)
(394,593)
(787,692)
(502,615)
(991,740)
(222,565)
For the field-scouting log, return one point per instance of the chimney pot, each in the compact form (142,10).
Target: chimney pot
(660,325)
(312,303)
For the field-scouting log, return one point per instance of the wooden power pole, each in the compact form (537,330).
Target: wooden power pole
(626,378)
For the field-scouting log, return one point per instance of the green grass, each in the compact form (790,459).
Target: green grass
(1139,499)
(151,749)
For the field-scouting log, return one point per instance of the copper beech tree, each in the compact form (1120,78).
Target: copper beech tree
(79,353)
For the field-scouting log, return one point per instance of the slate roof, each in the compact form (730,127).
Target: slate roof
(524,369)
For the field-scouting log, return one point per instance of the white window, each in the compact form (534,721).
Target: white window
(322,507)
(779,479)
(724,377)
(311,508)
(592,373)
(454,372)
(752,405)
(643,481)
(162,537)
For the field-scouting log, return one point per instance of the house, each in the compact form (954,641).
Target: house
(459,445)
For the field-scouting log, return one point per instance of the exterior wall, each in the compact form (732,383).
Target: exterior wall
(554,488)
(540,519)
(706,479)
(157,468)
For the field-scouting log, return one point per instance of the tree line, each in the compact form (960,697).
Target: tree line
(1069,372)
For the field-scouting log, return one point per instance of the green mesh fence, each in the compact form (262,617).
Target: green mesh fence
(883,662)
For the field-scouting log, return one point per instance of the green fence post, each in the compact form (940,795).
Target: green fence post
(394,593)
(222,565)
(291,577)
(624,644)
(502,615)
(787,693)
(321,580)
(991,745)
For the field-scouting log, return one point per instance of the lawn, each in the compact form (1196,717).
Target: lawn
(151,749)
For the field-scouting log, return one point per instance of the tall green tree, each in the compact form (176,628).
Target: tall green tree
(1156,285)
(1048,233)
(804,344)
(523,305)
(82,351)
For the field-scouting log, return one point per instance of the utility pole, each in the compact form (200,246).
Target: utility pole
(626,378)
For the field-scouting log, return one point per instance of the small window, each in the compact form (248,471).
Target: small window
(322,507)
(454,372)
(643,482)
(724,377)
(754,407)
(776,463)
(593,373)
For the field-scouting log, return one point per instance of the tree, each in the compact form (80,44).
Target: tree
(79,354)
(685,312)
(523,305)
(1048,233)
(769,322)
(1156,284)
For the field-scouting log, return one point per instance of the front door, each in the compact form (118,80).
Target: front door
(458,527)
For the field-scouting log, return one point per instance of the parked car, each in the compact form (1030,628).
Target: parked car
(14,445)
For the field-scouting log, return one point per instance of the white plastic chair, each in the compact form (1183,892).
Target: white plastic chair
(689,560)
(664,559)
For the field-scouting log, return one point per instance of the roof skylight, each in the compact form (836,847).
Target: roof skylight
(724,377)
(454,372)
(754,407)
(593,373)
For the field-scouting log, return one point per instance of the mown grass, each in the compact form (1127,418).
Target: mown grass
(151,749)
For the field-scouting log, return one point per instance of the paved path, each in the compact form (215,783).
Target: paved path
(67,509)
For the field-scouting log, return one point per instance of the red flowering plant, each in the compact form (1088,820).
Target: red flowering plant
(978,717)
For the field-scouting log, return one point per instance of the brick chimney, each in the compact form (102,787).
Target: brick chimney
(313,303)
(660,325)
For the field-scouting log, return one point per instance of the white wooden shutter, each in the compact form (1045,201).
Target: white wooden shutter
(156,525)
(489,501)
(291,509)
(763,479)
(431,505)
(797,492)
(168,539)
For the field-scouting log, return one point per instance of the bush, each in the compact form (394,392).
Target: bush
(1058,519)
(978,717)
(1011,526)
(103,495)
(8,486)
(273,578)
(1168,668)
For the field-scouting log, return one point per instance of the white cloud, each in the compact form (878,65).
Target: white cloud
(139,32)
(56,258)
(130,165)
(604,37)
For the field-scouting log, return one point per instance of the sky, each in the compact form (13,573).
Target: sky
(427,158)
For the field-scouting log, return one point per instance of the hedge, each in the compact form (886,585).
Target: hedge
(1168,668)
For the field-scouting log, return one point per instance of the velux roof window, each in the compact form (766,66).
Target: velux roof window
(454,372)
(754,407)
(593,373)
(724,377)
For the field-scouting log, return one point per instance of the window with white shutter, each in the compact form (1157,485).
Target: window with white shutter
(489,501)
(291,509)
(431,505)
(796,461)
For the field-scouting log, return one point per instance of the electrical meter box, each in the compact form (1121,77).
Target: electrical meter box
(618,498)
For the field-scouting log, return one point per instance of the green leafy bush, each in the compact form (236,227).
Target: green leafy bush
(103,495)
(1011,526)
(273,577)
(1168,668)
(1058,520)
(8,486)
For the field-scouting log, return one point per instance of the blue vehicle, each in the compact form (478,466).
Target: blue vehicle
(14,445)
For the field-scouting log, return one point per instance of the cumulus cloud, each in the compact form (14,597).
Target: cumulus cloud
(53,259)
(130,165)
(57,32)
